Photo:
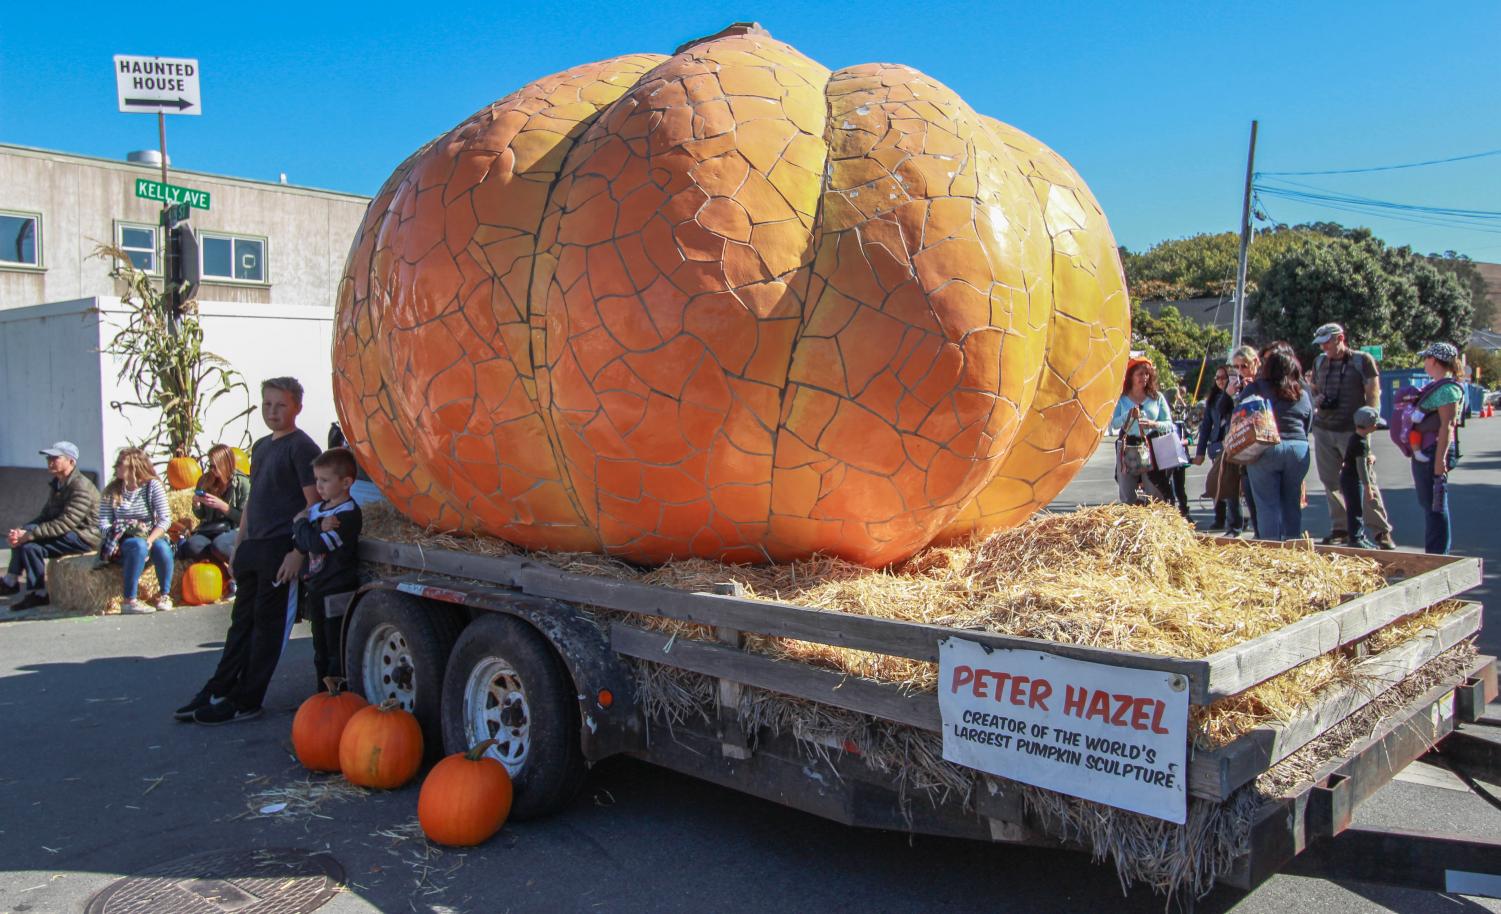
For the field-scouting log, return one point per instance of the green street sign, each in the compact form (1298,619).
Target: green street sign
(1375,351)
(170,193)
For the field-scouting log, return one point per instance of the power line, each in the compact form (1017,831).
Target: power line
(1358,171)
(1488,221)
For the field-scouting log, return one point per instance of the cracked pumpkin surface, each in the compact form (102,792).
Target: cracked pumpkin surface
(733,305)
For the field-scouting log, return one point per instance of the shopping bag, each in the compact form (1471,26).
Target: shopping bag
(1253,430)
(1168,451)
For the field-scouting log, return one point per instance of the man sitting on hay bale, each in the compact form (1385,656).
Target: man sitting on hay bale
(65,527)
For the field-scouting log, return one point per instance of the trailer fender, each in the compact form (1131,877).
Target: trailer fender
(610,720)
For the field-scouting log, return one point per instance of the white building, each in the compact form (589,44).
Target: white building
(270,258)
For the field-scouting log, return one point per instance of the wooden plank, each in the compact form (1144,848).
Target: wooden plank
(1393,563)
(1217,773)
(1284,826)
(802,623)
(913,640)
(493,569)
(799,680)
(734,742)
(1250,663)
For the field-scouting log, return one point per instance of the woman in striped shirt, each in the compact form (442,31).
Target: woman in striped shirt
(134,517)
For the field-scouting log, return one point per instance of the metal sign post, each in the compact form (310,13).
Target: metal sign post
(162,85)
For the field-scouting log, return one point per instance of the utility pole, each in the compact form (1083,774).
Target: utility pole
(169,254)
(1245,248)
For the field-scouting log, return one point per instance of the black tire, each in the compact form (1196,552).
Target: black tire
(553,769)
(428,632)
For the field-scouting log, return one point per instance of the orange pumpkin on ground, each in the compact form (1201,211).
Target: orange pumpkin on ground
(465,798)
(727,303)
(202,583)
(183,472)
(381,746)
(319,725)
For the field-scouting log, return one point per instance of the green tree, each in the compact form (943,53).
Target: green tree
(1176,336)
(1385,296)
(1202,266)
(1487,363)
(1464,270)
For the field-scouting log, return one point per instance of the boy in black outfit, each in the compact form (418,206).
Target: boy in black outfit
(265,563)
(329,532)
(1358,475)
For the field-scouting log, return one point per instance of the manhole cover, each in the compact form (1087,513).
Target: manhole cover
(272,881)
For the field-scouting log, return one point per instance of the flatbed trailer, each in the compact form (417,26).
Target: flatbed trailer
(544,661)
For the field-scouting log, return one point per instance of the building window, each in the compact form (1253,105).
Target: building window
(20,239)
(237,258)
(139,244)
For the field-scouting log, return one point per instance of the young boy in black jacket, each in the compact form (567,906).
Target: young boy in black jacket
(1357,475)
(329,532)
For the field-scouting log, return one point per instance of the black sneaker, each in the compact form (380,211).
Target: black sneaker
(223,712)
(1361,542)
(1335,539)
(202,700)
(1385,541)
(30,601)
(9,590)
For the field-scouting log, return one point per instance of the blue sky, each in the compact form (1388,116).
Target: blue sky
(1151,102)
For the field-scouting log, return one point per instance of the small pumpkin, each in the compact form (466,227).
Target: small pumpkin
(242,460)
(183,472)
(202,583)
(381,746)
(465,799)
(320,722)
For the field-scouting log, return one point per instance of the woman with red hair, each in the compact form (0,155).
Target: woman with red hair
(1141,413)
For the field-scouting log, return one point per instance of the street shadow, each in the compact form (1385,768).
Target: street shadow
(98,781)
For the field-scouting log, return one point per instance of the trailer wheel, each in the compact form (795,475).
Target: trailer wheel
(397,649)
(505,683)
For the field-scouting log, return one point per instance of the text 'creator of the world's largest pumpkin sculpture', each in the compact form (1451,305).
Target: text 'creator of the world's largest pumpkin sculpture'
(729,304)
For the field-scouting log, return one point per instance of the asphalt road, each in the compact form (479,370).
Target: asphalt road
(97,781)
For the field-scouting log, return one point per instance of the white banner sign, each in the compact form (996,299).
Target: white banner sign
(1111,734)
(151,84)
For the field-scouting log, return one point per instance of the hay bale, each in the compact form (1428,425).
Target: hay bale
(77,583)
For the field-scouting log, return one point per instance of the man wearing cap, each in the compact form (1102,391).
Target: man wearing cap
(1344,380)
(67,525)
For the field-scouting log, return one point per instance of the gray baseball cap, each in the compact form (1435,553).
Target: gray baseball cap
(1368,417)
(62,449)
(1326,333)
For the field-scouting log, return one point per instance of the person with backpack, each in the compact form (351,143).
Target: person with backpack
(1344,381)
(1426,429)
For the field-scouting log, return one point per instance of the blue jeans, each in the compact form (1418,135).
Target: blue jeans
(1436,537)
(199,546)
(133,560)
(1277,487)
(32,557)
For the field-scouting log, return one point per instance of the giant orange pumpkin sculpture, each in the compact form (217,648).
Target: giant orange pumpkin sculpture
(729,304)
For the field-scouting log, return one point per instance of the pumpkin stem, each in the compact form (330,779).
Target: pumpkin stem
(390,704)
(734,28)
(335,684)
(478,752)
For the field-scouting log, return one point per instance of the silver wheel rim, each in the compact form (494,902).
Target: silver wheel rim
(495,708)
(389,670)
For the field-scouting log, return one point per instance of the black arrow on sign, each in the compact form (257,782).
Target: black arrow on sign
(163,102)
